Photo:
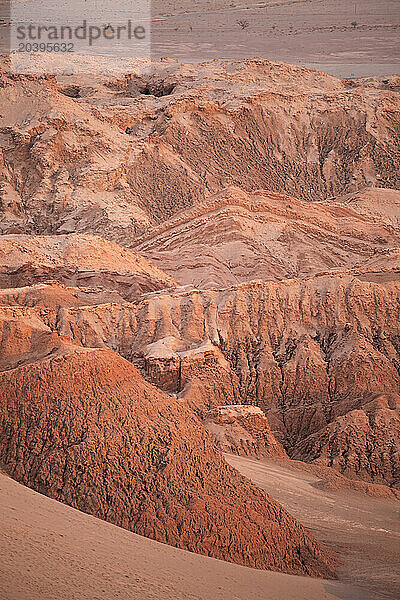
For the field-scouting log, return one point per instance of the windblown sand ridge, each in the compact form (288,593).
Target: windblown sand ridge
(72,555)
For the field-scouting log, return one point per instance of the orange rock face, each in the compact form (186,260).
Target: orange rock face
(243,430)
(78,260)
(362,443)
(111,160)
(305,353)
(194,257)
(314,356)
(86,429)
(236,237)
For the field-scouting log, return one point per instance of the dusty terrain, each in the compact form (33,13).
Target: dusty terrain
(52,551)
(346,38)
(169,136)
(196,259)
(366,530)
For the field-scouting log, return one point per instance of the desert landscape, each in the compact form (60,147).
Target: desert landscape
(200,312)
(347,38)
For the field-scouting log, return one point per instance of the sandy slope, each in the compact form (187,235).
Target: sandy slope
(365,530)
(51,551)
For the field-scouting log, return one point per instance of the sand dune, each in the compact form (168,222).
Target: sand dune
(51,551)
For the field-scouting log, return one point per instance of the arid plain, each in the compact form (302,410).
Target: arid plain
(347,38)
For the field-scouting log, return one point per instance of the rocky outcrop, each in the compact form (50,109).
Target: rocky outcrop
(305,352)
(25,338)
(86,429)
(310,354)
(109,371)
(171,365)
(235,237)
(54,294)
(125,152)
(362,443)
(243,430)
(78,260)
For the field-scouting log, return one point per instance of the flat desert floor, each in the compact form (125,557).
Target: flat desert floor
(51,551)
(364,530)
(347,38)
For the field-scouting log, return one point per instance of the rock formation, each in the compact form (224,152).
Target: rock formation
(305,352)
(235,237)
(77,260)
(313,355)
(363,442)
(191,248)
(243,430)
(377,203)
(85,428)
(114,154)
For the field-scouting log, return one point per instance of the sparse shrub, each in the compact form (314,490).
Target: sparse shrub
(243,24)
